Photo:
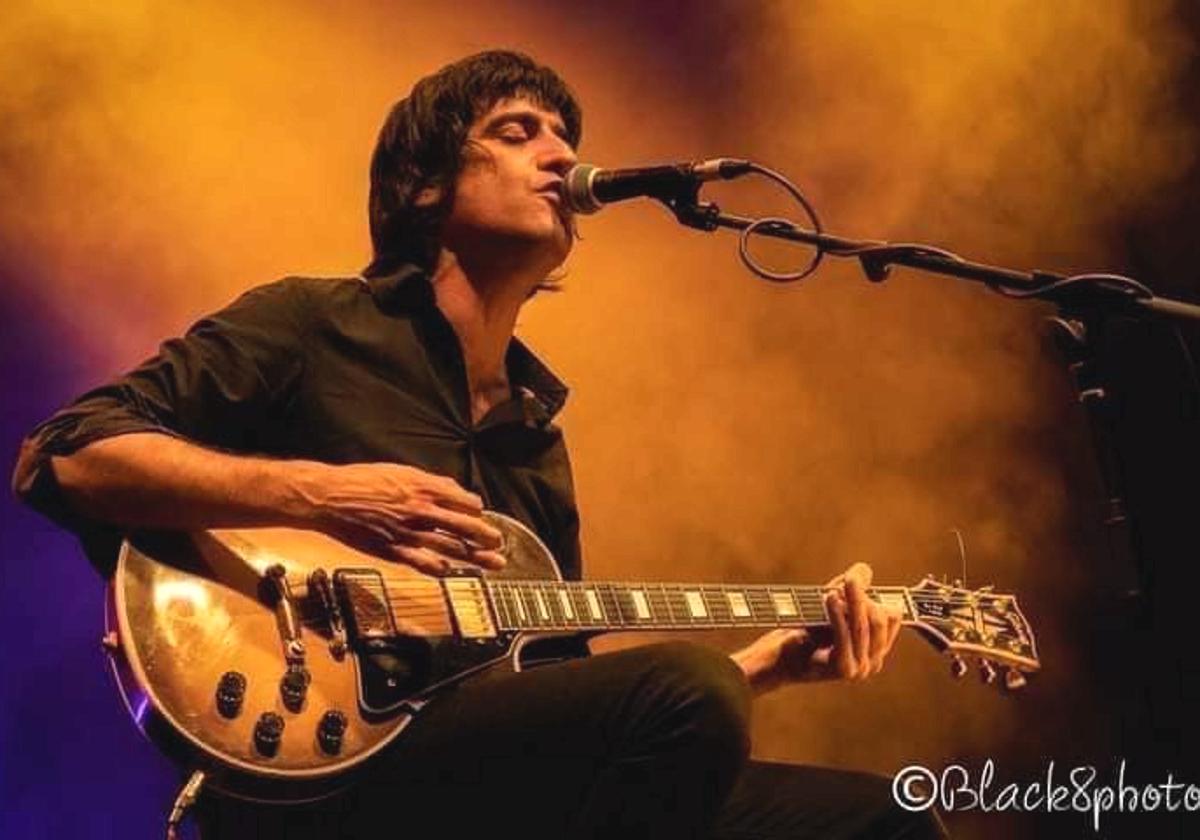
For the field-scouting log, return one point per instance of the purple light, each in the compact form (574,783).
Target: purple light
(139,714)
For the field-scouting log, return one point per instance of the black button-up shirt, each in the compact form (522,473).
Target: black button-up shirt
(341,371)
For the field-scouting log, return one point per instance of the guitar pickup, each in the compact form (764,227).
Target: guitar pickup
(469,607)
(365,608)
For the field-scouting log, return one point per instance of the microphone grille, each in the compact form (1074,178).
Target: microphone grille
(577,189)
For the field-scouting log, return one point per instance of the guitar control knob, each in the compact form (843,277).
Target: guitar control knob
(1014,680)
(331,730)
(987,672)
(294,686)
(231,691)
(958,668)
(268,732)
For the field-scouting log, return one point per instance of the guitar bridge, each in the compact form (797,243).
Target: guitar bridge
(320,585)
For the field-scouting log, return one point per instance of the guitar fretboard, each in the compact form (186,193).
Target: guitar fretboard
(584,605)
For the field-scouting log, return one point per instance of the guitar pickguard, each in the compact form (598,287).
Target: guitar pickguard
(402,673)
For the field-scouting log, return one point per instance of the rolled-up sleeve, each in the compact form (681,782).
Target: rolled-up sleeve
(223,384)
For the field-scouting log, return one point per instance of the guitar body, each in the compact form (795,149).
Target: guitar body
(190,610)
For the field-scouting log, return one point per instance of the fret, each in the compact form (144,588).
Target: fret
(761,606)
(676,606)
(607,609)
(543,609)
(539,595)
(506,605)
(545,617)
(499,606)
(550,595)
(548,598)
(624,604)
(522,610)
(718,607)
(515,608)
(739,607)
(629,606)
(784,604)
(641,604)
(527,603)
(504,591)
(812,604)
(580,605)
(633,598)
(595,608)
(610,605)
(567,609)
(726,610)
(679,605)
(660,606)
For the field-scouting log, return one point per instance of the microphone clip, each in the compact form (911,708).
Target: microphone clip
(691,212)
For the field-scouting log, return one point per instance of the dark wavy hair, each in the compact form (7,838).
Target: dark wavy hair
(421,145)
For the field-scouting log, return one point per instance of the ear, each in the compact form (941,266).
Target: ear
(427,197)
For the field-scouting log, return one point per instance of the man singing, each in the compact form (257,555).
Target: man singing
(388,411)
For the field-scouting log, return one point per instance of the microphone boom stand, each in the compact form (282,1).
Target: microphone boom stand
(877,259)
(1084,304)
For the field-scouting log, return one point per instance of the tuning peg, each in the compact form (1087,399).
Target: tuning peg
(1014,680)
(958,668)
(987,672)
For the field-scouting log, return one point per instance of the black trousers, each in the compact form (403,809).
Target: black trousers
(650,742)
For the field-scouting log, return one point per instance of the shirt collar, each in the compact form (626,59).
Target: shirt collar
(407,289)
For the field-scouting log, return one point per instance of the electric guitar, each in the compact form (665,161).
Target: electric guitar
(279,661)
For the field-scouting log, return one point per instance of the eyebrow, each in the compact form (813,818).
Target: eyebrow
(526,115)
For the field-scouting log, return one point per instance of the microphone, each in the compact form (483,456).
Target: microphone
(587,188)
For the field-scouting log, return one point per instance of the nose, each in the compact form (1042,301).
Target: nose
(558,156)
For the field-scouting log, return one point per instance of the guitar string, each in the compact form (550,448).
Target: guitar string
(433,592)
(707,588)
(552,621)
(431,582)
(757,588)
(436,605)
(811,600)
(655,591)
(435,589)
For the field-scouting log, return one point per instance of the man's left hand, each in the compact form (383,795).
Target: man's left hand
(853,647)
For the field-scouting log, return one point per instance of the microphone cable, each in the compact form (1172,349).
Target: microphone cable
(1115,282)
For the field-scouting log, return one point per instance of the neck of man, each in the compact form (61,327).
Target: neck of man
(481,299)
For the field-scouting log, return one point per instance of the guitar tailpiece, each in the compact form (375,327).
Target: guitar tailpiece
(185,799)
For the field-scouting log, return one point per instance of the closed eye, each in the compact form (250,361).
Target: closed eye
(514,129)
(523,126)
(513,134)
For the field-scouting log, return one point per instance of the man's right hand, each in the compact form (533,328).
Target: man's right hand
(152,480)
(399,513)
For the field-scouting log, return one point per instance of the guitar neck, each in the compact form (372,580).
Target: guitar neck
(594,605)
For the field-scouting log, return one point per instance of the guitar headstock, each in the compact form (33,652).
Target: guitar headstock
(979,624)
